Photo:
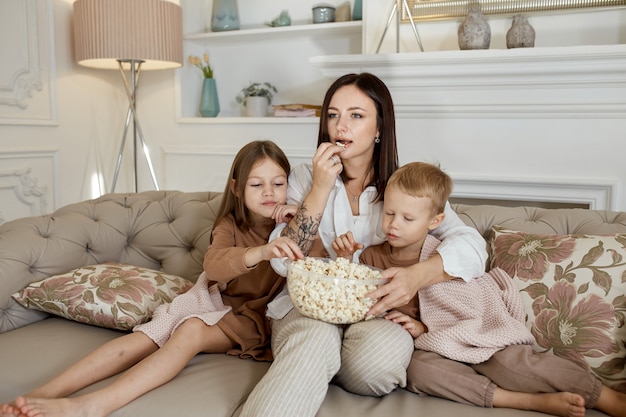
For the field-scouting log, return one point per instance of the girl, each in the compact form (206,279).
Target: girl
(236,264)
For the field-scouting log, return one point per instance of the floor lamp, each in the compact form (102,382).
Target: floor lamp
(129,36)
(395,10)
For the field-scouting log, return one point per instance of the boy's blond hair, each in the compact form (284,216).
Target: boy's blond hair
(420,179)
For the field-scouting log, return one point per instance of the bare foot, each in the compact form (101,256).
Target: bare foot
(563,404)
(9,410)
(57,407)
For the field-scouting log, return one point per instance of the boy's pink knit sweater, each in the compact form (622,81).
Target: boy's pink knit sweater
(470,321)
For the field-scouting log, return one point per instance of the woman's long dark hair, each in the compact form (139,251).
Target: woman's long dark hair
(385,158)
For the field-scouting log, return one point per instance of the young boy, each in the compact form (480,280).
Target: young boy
(472,344)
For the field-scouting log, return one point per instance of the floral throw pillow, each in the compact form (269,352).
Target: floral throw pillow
(107,295)
(574,292)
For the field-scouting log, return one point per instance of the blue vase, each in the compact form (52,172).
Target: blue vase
(209,103)
(357,12)
(224,15)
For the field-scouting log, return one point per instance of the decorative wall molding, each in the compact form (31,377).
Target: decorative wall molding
(565,82)
(26,189)
(187,169)
(28,182)
(597,194)
(193,168)
(27,93)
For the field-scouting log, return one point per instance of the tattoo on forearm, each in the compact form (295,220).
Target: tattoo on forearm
(306,232)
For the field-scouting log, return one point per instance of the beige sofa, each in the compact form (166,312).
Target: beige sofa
(170,230)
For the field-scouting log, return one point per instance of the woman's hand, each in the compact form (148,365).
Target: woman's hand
(303,228)
(405,282)
(345,245)
(326,166)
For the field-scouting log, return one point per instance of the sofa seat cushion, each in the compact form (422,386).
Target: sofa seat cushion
(401,402)
(210,385)
(573,288)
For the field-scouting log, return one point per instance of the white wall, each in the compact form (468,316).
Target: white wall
(91,104)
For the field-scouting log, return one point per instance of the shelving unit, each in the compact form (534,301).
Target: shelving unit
(266,32)
(257,52)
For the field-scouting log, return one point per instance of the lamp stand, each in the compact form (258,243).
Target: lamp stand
(395,11)
(131,93)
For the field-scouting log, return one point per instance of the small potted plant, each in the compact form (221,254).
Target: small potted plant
(256,98)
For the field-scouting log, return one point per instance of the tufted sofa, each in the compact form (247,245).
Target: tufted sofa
(170,230)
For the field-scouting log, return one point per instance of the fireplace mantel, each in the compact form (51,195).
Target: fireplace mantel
(563,82)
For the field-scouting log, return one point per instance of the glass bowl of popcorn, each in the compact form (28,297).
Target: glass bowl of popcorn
(332,291)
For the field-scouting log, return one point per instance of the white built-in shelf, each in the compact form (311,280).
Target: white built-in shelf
(267,32)
(303,39)
(587,81)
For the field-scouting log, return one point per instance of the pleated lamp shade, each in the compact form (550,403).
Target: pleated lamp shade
(108,31)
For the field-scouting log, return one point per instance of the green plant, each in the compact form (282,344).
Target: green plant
(257,90)
(205,67)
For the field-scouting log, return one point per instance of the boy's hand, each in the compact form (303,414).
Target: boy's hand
(345,246)
(415,327)
(283,213)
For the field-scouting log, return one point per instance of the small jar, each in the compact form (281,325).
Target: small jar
(323,14)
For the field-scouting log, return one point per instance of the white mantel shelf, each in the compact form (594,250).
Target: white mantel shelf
(568,82)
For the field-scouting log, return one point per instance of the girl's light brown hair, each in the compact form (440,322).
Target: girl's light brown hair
(233,197)
(420,179)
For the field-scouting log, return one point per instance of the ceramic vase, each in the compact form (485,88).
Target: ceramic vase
(256,106)
(521,34)
(474,32)
(224,15)
(209,103)
(357,11)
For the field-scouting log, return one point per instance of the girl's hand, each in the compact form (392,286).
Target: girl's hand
(281,247)
(345,246)
(283,213)
(326,166)
(415,327)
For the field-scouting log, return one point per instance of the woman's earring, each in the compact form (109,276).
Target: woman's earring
(377,139)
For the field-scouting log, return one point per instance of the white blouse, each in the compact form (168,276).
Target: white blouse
(463,249)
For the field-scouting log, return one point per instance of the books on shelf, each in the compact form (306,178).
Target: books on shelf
(297,110)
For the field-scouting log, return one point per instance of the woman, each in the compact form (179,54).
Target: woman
(342,191)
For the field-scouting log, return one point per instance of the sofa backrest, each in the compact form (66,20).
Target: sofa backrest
(540,220)
(164,230)
(170,231)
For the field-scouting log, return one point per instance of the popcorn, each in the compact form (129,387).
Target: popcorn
(332,291)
